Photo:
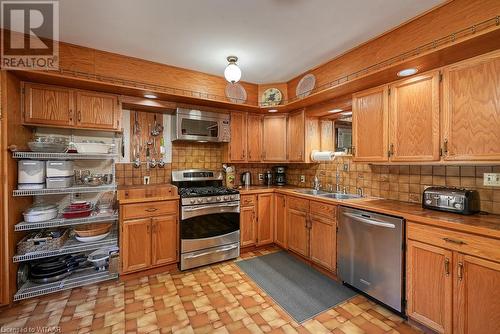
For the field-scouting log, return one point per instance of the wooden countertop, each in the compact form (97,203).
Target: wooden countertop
(482,224)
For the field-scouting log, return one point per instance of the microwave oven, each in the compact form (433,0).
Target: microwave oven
(201,126)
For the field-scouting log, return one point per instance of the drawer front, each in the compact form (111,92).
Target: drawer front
(471,244)
(149,209)
(299,204)
(146,192)
(323,209)
(248,200)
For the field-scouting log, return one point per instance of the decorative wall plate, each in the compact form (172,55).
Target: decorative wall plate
(236,93)
(271,97)
(305,85)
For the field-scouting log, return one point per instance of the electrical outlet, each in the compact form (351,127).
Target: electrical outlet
(345,167)
(261,177)
(146,180)
(491,179)
(302,178)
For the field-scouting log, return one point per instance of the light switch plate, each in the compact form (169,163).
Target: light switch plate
(302,178)
(261,177)
(491,179)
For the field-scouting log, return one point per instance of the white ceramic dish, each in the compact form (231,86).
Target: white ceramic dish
(93,148)
(40,213)
(91,239)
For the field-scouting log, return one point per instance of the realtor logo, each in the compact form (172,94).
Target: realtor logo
(30,35)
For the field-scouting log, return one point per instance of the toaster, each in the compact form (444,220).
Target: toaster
(462,201)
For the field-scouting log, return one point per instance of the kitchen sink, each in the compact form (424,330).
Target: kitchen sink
(340,196)
(311,192)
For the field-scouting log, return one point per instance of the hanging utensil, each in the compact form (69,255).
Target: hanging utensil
(157,128)
(161,163)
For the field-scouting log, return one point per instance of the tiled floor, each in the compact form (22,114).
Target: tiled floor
(214,299)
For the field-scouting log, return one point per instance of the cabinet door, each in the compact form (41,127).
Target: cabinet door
(97,110)
(327,140)
(265,215)
(429,285)
(370,125)
(136,244)
(274,138)
(248,232)
(48,105)
(296,136)
(298,233)
(238,144)
(471,109)
(280,220)
(165,240)
(254,137)
(477,295)
(323,242)
(414,119)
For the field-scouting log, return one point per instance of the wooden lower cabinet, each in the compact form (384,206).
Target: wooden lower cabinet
(449,290)
(265,218)
(151,238)
(280,220)
(248,222)
(298,232)
(429,285)
(323,241)
(256,220)
(136,244)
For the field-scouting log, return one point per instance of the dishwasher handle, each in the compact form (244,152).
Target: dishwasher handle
(368,220)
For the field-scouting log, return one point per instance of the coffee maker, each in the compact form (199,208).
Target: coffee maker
(279,175)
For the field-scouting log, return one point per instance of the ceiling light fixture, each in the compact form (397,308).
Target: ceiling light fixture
(150,96)
(232,73)
(407,72)
(272,110)
(336,110)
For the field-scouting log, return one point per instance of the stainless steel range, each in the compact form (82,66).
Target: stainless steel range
(210,218)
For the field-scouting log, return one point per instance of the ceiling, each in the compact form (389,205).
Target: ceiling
(275,40)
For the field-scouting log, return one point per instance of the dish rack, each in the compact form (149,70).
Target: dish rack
(84,275)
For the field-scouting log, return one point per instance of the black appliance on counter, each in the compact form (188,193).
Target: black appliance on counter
(456,200)
(279,175)
(209,218)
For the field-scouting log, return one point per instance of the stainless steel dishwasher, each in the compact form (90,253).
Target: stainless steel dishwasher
(371,255)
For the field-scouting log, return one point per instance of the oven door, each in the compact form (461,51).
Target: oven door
(210,229)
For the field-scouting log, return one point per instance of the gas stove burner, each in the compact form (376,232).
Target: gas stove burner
(206,191)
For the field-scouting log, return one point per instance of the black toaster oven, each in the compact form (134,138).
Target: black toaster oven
(462,201)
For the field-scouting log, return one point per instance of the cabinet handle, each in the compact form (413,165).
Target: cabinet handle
(458,242)
(151,209)
(79,116)
(391,150)
(447,266)
(71,115)
(445,147)
(460,271)
(353,151)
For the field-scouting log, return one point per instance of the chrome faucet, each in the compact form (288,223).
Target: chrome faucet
(316,184)
(337,181)
(344,190)
(359,191)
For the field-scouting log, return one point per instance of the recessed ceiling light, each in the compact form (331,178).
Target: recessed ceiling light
(150,96)
(336,110)
(407,72)
(347,113)
(273,110)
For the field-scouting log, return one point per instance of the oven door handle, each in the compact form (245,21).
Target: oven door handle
(197,208)
(369,221)
(225,249)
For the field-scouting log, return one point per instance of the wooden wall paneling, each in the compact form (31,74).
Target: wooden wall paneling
(414,118)
(449,18)
(14,134)
(146,122)
(471,109)
(370,125)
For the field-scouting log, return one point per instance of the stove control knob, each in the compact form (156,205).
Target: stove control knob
(458,206)
(210,199)
(233,197)
(218,198)
(428,201)
(192,201)
(226,198)
(200,200)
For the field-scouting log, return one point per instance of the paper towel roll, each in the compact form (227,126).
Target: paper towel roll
(325,155)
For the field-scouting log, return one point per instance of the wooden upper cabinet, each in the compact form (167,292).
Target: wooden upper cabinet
(327,138)
(280,220)
(476,296)
(165,239)
(254,137)
(265,219)
(274,137)
(97,110)
(48,105)
(370,124)
(238,144)
(296,137)
(414,119)
(137,239)
(429,284)
(471,109)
